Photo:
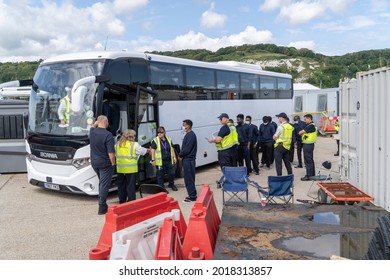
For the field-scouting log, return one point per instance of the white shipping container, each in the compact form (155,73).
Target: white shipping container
(365,134)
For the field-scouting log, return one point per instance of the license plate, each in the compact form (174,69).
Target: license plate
(52,186)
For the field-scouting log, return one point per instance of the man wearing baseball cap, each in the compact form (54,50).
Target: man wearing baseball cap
(283,138)
(226,142)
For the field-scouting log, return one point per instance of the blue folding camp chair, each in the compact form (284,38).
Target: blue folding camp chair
(234,183)
(280,188)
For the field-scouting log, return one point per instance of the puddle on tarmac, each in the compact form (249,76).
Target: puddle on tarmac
(328,218)
(347,245)
(349,218)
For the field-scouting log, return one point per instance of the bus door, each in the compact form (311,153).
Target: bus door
(146,122)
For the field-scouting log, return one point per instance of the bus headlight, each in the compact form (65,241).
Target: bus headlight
(29,157)
(81,162)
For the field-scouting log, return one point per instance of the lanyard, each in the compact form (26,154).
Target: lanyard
(164,144)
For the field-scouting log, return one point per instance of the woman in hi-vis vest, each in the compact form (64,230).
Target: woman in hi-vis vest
(127,152)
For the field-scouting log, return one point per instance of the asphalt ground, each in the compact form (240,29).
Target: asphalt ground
(38,224)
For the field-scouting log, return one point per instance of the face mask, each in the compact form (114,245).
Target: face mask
(248,122)
(295,121)
(183,128)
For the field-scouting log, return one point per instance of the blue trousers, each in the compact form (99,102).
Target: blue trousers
(105,175)
(166,168)
(189,177)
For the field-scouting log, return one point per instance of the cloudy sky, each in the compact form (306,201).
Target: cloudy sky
(34,29)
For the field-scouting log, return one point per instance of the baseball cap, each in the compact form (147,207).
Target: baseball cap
(282,115)
(223,115)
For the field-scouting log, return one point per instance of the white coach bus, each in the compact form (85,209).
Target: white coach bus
(140,91)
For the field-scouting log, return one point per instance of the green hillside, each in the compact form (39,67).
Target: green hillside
(303,64)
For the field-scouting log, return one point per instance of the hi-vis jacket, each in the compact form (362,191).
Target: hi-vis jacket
(229,140)
(310,137)
(126,158)
(285,136)
(158,154)
(66,101)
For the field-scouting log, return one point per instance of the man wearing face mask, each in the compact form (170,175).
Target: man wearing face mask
(253,148)
(266,140)
(188,157)
(244,140)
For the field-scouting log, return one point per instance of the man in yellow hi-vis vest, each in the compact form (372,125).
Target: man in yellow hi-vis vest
(226,142)
(337,137)
(309,137)
(283,138)
(127,151)
(64,108)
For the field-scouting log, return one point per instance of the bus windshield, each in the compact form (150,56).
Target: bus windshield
(50,101)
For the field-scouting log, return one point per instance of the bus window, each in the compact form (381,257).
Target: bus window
(227,85)
(147,118)
(120,73)
(163,75)
(139,73)
(249,86)
(200,82)
(169,79)
(284,88)
(267,87)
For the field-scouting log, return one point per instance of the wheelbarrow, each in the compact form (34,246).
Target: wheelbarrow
(341,193)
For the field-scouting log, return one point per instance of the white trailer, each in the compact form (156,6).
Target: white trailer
(365,133)
(14,97)
(318,102)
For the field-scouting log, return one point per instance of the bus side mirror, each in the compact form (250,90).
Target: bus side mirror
(77,100)
(102,78)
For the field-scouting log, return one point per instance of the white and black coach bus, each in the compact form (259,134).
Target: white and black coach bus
(140,91)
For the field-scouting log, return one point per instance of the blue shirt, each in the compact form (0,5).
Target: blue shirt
(253,133)
(298,127)
(189,146)
(243,133)
(266,132)
(101,143)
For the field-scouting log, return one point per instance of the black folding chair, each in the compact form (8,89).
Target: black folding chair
(323,174)
(150,189)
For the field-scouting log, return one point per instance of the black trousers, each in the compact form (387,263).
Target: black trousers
(267,154)
(299,151)
(308,156)
(126,186)
(244,155)
(254,155)
(105,175)
(227,157)
(189,177)
(282,155)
